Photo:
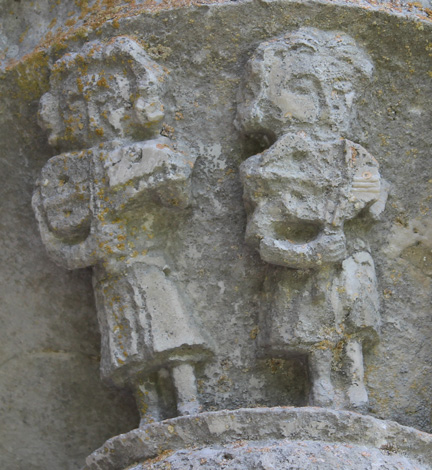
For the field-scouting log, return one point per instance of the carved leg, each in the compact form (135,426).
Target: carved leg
(357,394)
(146,397)
(186,389)
(322,393)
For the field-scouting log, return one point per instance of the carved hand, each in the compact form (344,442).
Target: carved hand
(329,247)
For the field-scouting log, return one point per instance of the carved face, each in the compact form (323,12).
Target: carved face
(306,80)
(311,91)
(101,94)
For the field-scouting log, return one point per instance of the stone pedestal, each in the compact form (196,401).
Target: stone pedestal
(267,438)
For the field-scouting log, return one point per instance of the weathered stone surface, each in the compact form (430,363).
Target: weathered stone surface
(292,455)
(206,49)
(295,438)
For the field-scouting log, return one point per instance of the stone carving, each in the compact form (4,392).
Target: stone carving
(110,201)
(310,199)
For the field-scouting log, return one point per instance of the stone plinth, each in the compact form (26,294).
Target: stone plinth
(267,438)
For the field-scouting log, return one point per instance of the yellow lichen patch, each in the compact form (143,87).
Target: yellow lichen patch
(80,85)
(102,82)
(276,365)
(323,345)
(254,333)
(70,22)
(91,18)
(52,23)
(24,34)
(32,77)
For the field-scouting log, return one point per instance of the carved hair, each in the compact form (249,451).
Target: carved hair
(338,45)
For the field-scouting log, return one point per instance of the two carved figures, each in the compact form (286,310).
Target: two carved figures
(113,198)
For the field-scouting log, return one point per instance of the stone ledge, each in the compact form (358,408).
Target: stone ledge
(368,436)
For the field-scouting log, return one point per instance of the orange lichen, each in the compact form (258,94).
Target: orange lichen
(102,82)
(91,18)
(80,85)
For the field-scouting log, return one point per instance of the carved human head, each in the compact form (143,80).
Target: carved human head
(306,79)
(105,91)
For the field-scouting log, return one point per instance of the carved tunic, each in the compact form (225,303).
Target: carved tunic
(313,307)
(145,322)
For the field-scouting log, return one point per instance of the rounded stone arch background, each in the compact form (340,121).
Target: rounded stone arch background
(54,408)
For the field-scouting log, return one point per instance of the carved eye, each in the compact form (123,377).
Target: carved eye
(303,48)
(343,87)
(367,175)
(63,179)
(299,154)
(302,85)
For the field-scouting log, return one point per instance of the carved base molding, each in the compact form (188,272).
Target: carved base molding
(267,438)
